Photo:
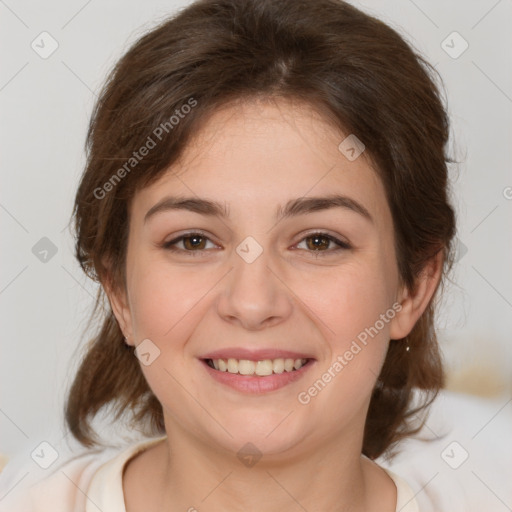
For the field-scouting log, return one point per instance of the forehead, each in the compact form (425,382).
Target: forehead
(254,155)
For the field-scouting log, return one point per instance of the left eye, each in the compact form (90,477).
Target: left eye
(319,242)
(196,243)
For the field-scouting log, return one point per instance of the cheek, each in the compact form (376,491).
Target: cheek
(348,301)
(165,308)
(164,299)
(355,309)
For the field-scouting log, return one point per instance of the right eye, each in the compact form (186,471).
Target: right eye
(192,242)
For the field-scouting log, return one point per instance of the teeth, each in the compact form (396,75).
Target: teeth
(288,365)
(265,367)
(260,368)
(232,366)
(246,367)
(278,365)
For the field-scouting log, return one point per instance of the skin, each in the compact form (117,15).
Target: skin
(256,156)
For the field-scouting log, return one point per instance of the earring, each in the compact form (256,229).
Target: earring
(407,347)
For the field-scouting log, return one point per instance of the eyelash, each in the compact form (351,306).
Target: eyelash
(342,246)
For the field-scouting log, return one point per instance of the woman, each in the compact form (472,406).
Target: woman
(265,206)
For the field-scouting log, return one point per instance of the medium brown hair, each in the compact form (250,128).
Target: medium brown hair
(358,72)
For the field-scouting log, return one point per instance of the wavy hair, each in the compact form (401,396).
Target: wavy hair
(353,68)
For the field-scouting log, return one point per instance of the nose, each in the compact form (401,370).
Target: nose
(254,295)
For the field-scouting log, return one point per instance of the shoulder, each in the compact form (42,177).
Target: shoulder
(462,457)
(67,486)
(31,489)
(405,496)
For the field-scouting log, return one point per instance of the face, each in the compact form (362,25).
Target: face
(277,274)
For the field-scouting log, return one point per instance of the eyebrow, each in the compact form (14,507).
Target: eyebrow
(294,207)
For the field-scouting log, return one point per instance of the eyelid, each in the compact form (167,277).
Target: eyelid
(334,238)
(343,245)
(190,233)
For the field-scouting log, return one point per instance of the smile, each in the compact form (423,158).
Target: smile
(262,368)
(256,376)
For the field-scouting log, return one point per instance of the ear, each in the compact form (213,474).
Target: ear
(118,300)
(415,302)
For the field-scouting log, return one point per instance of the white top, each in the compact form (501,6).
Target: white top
(106,489)
(74,487)
(465,466)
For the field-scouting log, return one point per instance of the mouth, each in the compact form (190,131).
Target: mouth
(257,375)
(261,368)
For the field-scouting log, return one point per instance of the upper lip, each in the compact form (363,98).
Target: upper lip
(255,355)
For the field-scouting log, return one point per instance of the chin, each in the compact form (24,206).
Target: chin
(267,434)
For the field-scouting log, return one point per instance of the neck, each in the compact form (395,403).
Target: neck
(185,474)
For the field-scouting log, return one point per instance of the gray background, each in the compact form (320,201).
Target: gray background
(45,108)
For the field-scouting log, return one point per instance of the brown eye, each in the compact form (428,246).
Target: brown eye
(320,242)
(317,242)
(190,243)
(194,242)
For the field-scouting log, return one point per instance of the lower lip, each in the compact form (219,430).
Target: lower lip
(256,384)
